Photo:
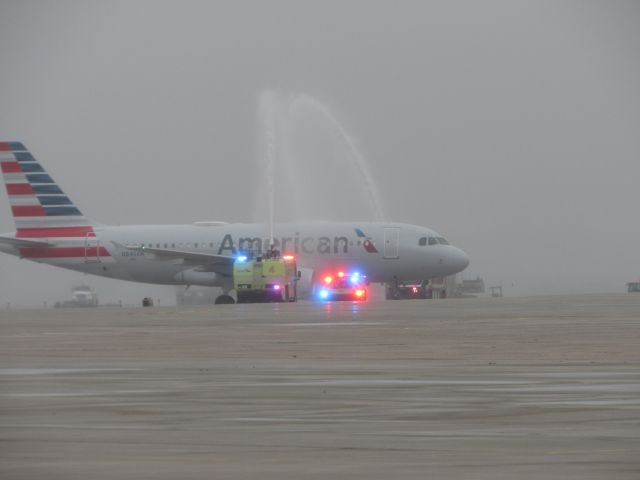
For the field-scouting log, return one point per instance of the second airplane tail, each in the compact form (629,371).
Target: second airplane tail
(39,206)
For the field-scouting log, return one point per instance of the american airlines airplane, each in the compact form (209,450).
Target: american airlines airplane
(51,229)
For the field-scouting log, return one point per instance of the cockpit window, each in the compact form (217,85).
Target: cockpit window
(432,241)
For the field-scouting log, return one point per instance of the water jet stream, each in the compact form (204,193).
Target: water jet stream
(279,118)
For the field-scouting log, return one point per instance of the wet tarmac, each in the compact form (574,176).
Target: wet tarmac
(539,387)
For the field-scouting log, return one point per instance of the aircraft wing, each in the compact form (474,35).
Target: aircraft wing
(22,242)
(208,262)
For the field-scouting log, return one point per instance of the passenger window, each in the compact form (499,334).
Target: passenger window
(422,242)
(433,241)
(166,245)
(173,245)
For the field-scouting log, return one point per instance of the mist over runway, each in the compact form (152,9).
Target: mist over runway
(511,127)
(540,387)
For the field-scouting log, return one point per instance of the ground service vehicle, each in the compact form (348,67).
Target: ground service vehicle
(82,296)
(343,286)
(268,278)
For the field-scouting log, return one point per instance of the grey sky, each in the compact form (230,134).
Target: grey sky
(511,127)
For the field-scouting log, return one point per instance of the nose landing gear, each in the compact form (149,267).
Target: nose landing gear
(405,290)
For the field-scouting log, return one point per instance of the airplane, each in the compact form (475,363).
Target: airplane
(51,229)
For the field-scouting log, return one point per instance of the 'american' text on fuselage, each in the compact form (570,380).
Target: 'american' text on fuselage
(295,244)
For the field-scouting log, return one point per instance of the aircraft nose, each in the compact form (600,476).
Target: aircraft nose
(460,260)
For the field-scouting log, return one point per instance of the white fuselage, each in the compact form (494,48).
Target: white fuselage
(383,251)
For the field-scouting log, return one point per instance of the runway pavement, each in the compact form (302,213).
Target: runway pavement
(539,387)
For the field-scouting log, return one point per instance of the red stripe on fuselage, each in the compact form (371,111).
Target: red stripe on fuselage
(19,189)
(28,211)
(10,167)
(64,252)
(5,147)
(55,232)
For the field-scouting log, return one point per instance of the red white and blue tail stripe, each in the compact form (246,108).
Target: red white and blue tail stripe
(39,206)
(42,211)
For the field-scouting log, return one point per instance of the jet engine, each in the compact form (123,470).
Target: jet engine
(194,276)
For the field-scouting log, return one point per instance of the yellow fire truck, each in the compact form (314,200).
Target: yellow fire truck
(265,278)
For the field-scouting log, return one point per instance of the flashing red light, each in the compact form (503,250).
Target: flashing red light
(328,280)
(415,289)
(288,257)
(276,287)
(359,293)
(341,274)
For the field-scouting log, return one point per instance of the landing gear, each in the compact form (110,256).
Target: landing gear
(404,290)
(225,300)
(288,296)
(391,291)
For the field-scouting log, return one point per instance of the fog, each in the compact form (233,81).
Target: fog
(512,128)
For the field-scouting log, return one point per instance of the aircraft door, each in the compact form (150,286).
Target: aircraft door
(391,242)
(91,248)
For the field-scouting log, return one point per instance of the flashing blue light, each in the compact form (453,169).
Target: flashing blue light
(355,277)
(241,258)
(324,294)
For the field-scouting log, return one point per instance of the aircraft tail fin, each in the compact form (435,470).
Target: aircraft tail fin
(39,206)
